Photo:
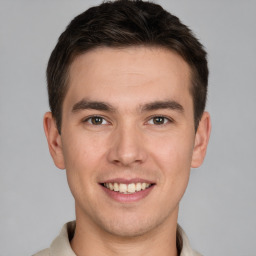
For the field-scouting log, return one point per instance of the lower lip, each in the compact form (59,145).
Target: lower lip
(128,198)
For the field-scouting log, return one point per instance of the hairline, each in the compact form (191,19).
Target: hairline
(76,54)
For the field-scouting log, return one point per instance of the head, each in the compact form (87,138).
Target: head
(127,87)
(121,24)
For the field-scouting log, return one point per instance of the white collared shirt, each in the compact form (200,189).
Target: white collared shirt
(61,244)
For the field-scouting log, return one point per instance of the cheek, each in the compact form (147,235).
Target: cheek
(173,158)
(173,152)
(82,162)
(81,151)
(83,156)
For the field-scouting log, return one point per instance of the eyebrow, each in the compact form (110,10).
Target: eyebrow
(97,105)
(169,104)
(103,106)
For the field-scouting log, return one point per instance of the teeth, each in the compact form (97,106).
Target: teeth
(116,188)
(122,188)
(127,188)
(138,186)
(131,188)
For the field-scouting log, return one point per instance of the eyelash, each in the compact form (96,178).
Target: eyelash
(96,116)
(166,121)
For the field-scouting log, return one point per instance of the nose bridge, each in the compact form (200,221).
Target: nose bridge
(127,145)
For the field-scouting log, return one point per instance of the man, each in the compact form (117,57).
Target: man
(127,84)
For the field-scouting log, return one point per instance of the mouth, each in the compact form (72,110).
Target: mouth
(130,188)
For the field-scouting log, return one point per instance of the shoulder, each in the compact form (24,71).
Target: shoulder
(45,252)
(60,246)
(186,248)
(197,253)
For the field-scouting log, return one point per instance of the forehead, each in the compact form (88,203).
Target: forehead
(137,72)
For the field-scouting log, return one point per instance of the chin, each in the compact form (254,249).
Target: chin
(128,230)
(131,226)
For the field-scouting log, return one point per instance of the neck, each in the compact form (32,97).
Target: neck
(89,239)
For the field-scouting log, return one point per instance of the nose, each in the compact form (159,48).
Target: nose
(127,147)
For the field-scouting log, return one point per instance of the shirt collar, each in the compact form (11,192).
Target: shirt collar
(61,245)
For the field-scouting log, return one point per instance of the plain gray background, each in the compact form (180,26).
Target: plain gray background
(218,211)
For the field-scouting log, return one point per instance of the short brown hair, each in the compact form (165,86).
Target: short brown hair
(125,23)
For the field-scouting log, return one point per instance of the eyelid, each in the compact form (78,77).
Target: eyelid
(86,119)
(169,119)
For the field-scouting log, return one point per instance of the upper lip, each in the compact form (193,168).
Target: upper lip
(128,181)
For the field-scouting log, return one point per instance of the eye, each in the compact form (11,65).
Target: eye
(96,120)
(159,120)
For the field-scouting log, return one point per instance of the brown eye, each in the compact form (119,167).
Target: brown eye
(96,120)
(158,120)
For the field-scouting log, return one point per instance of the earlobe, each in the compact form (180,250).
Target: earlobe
(201,140)
(54,140)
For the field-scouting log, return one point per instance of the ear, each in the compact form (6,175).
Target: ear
(201,140)
(54,140)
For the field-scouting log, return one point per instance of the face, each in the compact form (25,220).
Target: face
(127,139)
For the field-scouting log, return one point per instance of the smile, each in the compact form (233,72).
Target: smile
(127,188)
